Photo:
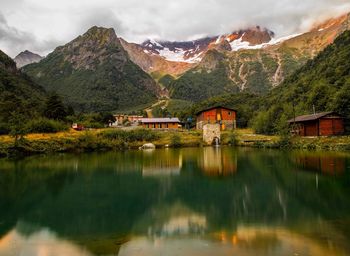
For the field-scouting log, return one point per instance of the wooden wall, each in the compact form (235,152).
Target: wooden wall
(311,128)
(331,126)
(217,114)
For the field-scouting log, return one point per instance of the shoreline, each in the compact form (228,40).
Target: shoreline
(96,141)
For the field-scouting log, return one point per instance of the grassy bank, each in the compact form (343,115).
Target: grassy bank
(248,139)
(112,139)
(96,140)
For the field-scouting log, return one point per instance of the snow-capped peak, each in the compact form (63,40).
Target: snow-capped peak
(193,51)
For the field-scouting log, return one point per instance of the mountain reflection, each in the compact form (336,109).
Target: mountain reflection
(110,203)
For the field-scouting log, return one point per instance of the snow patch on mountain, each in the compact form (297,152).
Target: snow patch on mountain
(239,44)
(194,51)
(179,55)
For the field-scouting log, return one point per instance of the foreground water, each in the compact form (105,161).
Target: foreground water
(204,201)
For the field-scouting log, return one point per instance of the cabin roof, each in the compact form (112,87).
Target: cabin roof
(160,120)
(207,109)
(312,117)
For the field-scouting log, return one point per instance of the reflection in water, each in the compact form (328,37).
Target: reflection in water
(110,203)
(331,163)
(171,221)
(40,243)
(165,162)
(246,241)
(216,161)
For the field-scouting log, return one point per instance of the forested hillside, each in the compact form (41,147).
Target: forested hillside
(323,83)
(94,73)
(20,97)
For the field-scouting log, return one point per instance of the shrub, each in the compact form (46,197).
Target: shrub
(4,129)
(130,136)
(232,139)
(43,125)
(176,141)
(284,142)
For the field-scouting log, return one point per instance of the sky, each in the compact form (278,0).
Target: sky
(42,25)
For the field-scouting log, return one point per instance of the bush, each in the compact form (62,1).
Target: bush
(43,125)
(176,141)
(284,142)
(232,139)
(4,129)
(91,124)
(131,136)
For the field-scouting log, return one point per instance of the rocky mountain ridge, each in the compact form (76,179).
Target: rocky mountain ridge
(255,70)
(94,73)
(26,57)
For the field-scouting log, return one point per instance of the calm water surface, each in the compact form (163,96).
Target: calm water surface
(204,201)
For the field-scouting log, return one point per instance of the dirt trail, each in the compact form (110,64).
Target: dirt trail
(149,109)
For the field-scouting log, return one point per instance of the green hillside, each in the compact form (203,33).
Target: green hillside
(15,83)
(323,83)
(94,73)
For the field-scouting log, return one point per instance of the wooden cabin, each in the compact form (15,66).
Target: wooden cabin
(160,123)
(320,124)
(226,117)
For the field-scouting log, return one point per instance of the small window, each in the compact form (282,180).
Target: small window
(229,113)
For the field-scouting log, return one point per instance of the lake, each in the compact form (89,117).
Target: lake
(192,201)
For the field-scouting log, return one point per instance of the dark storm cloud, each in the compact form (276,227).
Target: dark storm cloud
(40,25)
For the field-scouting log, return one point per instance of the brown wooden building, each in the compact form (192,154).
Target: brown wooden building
(320,124)
(226,117)
(160,123)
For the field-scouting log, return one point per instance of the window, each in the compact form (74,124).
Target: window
(229,113)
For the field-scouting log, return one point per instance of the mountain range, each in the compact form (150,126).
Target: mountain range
(100,71)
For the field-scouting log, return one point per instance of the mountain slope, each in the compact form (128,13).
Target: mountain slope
(256,70)
(20,98)
(94,73)
(323,83)
(27,57)
(13,82)
(175,58)
(153,63)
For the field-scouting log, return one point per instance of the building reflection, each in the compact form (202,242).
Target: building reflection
(161,162)
(216,161)
(327,164)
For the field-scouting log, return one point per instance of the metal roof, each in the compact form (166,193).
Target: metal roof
(312,117)
(215,107)
(160,120)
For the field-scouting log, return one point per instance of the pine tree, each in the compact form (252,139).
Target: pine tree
(54,108)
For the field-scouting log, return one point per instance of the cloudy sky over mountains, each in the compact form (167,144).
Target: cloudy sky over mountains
(41,25)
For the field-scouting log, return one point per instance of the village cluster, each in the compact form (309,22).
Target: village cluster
(317,124)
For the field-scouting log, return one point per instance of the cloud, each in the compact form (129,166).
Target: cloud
(13,41)
(41,25)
